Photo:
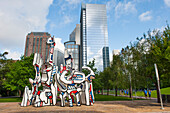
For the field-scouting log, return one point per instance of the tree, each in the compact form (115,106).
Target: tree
(97,81)
(3,55)
(117,77)
(4,69)
(19,73)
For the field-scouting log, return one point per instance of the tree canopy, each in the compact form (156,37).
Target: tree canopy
(17,74)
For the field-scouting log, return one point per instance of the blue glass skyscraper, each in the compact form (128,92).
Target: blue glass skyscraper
(93,33)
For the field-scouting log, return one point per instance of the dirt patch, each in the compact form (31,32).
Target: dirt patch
(98,107)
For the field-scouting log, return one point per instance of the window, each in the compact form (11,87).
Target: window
(27,46)
(33,45)
(40,45)
(37,44)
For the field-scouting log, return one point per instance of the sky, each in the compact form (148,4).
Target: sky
(126,19)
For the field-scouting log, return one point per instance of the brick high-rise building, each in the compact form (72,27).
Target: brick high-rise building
(36,43)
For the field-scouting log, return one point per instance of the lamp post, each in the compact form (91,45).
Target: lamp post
(157,77)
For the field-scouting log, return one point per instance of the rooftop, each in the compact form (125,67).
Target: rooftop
(39,33)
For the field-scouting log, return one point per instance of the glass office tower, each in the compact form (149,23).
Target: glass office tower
(94,33)
(58,57)
(73,49)
(106,60)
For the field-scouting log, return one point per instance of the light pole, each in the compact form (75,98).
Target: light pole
(157,76)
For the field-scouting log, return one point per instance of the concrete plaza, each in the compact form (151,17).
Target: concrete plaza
(138,106)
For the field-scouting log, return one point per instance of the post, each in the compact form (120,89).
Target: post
(157,76)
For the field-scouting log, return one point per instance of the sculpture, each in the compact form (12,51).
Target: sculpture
(67,82)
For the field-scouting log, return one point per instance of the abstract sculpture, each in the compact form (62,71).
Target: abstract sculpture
(66,82)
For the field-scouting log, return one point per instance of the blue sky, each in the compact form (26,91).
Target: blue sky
(127,19)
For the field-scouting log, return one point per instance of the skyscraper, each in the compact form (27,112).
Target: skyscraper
(75,35)
(36,43)
(58,57)
(93,33)
(73,50)
(106,60)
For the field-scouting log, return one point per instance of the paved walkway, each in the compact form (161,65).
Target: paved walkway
(136,106)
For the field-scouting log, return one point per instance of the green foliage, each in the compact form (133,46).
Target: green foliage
(135,64)
(3,55)
(97,84)
(19,73)
(92,66)
(4,69)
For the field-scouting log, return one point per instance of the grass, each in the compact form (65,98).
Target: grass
(15,99)
(165,91)
(99,97)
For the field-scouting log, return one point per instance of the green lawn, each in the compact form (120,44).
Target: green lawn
(165,91)
(99,97)
(15,99)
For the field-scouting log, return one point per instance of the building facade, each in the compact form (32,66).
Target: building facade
(93,33)
(115,52)
(106,60)
(75,35)
(73,50)
(36,43)
(58,57)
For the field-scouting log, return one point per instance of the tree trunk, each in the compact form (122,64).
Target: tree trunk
(20,93)
(107,91)
(8,93)
(130,88)
(102,91)
(116,91)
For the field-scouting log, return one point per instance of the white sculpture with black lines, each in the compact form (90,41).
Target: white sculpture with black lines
(66,82)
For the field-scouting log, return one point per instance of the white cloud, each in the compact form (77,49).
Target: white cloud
(12,54)
(59,45)
(145,44)
(65,4)
(73,1)
(162,29)
(18,18)
(123,8)
(146,16)
(167,2)
(155,31)
(110,5)
(67,19)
